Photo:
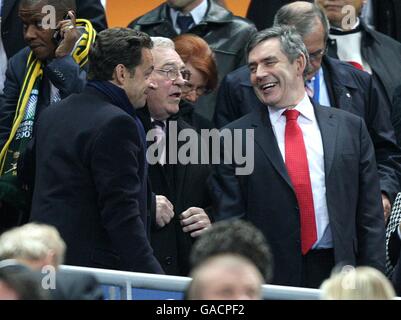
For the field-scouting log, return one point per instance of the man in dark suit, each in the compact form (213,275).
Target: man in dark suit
(314,191)
(338,84)
(182,196)
(90,178)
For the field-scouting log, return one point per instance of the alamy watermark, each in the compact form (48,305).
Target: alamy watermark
(211,146)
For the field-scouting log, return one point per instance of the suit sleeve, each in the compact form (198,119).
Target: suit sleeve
(66,75)
(116,173)
(369,219)
(387,152)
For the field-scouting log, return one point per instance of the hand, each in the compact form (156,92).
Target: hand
(196,220)
(69,34)
(164,211)
(386,207)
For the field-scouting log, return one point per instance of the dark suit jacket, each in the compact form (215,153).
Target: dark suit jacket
(185,186)
(91,183)
(350,90)
(11,26)
(382,53)
(267,199)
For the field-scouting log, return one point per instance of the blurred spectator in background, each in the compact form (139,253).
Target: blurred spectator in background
(261,12)
(236,237)
(225,33)
(351,40)
(361,283)
(12,35)
(39,246)
(44,72)
(199,60)
(225,277)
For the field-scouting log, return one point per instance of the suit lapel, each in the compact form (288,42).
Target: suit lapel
(265,138)
(328,125)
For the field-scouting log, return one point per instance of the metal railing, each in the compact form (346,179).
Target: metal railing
(128,280)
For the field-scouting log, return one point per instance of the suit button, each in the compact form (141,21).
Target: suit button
(168,260)
(296,208)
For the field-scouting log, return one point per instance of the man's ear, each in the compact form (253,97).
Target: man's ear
(119,74)
(301,64)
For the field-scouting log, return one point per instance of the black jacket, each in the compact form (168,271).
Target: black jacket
(225,33)
(267,199)
(11,25)
(349,89)
(185,187)
(91,183)
(382,53)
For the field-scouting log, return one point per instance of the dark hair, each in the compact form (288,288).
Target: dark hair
(303,18)
(116,46)
(61,6)
(194,50)
(234,237)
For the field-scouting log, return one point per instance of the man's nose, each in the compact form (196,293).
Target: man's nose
(30,33)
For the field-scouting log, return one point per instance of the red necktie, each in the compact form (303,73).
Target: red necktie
(297,166)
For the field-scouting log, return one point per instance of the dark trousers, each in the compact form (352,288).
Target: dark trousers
(316,267)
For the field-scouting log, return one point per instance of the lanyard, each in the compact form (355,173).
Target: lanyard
(316,87)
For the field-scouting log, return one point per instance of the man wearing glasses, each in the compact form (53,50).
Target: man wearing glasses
(329,82)
(181,196)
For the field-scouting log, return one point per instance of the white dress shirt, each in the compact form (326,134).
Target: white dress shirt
(197,14)
(324,98)
(315,154)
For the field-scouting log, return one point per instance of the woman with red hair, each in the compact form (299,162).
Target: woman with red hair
(199,60)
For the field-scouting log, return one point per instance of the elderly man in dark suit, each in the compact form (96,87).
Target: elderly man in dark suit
(90,172)
(336,84)
(182,200)
(314,191)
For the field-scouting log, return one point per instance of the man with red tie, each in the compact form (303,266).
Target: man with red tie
(314,191)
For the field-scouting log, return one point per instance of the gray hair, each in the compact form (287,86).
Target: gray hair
(162,42)
(32,241)
(290,40)
(302,15)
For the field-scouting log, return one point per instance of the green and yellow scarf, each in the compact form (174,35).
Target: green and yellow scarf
(21,132)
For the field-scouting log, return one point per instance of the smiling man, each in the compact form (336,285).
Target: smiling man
(39,75)
(314,191)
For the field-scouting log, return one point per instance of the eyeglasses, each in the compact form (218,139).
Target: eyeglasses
(173,74)
(317,54)
(189,87)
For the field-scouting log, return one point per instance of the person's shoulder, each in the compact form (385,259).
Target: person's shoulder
(383,39)
(151,17)
(20,57)
(218,14)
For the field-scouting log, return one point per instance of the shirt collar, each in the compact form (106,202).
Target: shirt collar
(354,27)
(305,108)
(197,13)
